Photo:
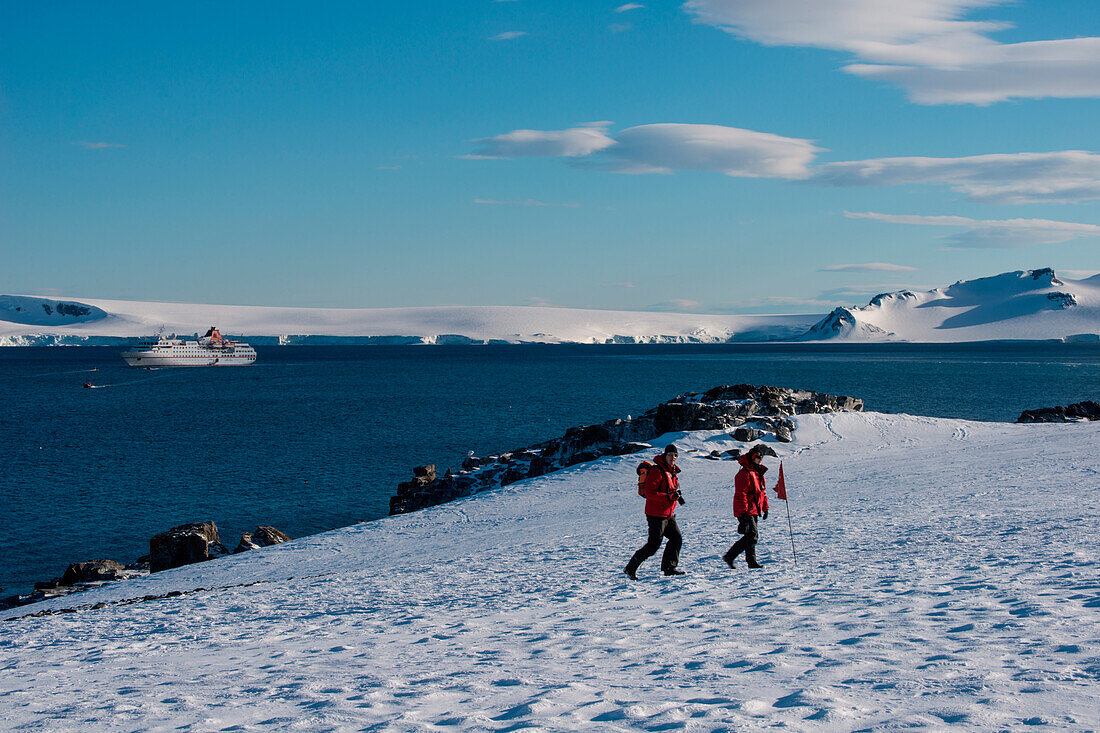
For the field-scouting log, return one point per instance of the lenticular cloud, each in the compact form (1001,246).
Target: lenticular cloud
(571,143)
(1009,178)
(924,46)
(662,148)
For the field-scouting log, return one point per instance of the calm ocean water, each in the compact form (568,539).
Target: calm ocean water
(312,438)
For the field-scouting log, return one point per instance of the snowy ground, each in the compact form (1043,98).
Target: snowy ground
(947,578)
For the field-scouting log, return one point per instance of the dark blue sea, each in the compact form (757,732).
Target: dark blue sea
(312,438)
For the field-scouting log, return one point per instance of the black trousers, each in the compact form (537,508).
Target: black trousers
(659,527)
(746,527)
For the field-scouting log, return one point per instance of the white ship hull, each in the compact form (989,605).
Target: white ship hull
(151,359)
(211,350)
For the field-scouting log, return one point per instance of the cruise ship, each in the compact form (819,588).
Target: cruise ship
(211,350)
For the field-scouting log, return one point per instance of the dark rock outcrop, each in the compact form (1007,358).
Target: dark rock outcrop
(746,435)
(1088,410)
(185,544)
(750,412)
(92,571)
(188,543)
(262,537)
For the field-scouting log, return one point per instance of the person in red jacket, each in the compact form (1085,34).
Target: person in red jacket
(662,493)
(750,503)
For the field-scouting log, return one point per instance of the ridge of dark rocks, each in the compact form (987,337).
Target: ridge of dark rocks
(173,548)
(749,412)
(1079,411)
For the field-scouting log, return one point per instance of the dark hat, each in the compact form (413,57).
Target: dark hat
(670,448)
(757,449)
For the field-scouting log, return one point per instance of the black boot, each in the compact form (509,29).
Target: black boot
(750,558)
(674,571)
(728,560)
(630,572)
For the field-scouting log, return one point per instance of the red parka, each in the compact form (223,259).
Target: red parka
(749,496)
(661,486)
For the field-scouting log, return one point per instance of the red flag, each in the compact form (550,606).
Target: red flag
(781,485)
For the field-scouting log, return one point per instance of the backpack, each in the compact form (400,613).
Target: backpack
(643,471)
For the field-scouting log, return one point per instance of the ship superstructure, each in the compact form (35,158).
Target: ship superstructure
(213,349)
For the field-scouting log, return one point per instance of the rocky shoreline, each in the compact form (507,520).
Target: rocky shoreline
(749,413)
(1077,412)
(182,545)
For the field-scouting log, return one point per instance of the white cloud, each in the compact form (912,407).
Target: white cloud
(629,6)
(663,148)
(868,267)
(619,27)
(508,35)
(571,143)
(1010,178)
(97,145)
(1065,176)
(989,233)
(1065,69)
(387,167)
(523,202)
(620,285)
(924,46)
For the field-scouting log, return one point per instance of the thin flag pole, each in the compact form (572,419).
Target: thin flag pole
(781,492)
(790,528)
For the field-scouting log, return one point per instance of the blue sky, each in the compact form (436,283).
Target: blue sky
(714,156)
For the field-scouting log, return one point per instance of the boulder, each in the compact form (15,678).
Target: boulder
(246,543)
(261,537)
(92,571)
(783,434)
(746,435)
(268,536)
(185,544)
(768,450)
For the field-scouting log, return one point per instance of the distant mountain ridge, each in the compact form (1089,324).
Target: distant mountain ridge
(1020,305)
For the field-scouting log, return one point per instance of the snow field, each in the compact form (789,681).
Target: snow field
(432,324)
(947,578)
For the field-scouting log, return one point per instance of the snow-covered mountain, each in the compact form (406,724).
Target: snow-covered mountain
(1020,305)
(28,320)
(1026,305)
(946,579)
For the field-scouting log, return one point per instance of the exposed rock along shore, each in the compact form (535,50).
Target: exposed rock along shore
(182,545)
(1077,412)
(749,412)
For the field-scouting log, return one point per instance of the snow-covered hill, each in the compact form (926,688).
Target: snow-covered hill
(1033,304)
(948,577)
(110,320)
(1013,306)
